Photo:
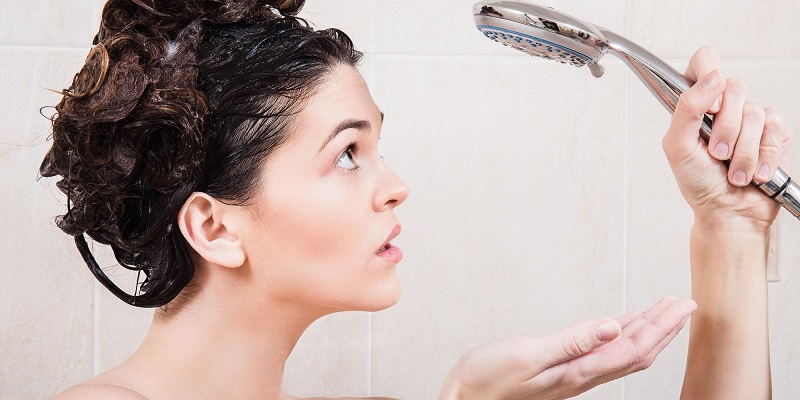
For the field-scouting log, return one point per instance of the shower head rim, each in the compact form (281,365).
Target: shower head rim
(546,19)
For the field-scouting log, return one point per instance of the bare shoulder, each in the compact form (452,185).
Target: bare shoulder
(89,391)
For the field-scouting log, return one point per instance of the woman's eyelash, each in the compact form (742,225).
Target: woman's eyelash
(349,152)
(352,149)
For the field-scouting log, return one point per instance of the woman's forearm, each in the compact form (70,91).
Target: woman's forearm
(729,335)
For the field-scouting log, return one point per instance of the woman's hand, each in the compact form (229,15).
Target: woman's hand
(754,139)
(569,362)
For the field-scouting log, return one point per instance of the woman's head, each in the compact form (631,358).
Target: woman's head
(315,233)
(179,97)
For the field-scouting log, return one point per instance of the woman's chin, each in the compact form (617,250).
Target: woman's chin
(383,300)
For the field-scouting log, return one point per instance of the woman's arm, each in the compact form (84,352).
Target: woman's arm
(729,339)
(729,350)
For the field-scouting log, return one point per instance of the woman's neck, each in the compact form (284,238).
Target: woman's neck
(218,345)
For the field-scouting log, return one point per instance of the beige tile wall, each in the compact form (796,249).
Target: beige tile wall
(540,196)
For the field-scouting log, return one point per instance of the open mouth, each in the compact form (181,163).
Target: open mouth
(387,244)
(389,251)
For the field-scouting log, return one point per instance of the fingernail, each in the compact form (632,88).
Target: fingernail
(693,305)
(721,151)
(717,104)
(711,81)
(763,172)
(739,178)
(608,331)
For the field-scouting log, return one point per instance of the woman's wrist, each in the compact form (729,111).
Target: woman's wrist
(729,244)
(724,223)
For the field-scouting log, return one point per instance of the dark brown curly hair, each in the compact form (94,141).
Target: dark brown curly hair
(178,97)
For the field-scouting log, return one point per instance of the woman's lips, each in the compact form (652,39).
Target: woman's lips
(388,251)
(391,253)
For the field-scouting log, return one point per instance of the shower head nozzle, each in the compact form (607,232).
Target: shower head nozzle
(542,32)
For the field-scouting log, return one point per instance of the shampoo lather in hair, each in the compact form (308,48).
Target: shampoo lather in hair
(544,32)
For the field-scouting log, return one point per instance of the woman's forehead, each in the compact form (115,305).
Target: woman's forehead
(343,95)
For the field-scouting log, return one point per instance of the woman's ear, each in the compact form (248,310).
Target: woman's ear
(202,220)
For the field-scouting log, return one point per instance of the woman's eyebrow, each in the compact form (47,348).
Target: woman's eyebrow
(360,124)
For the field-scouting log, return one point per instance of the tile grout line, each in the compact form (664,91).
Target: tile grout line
(96,12)
(606,60)
(625,193)
(625,204)
(369,354)
(502,57)
(42,47)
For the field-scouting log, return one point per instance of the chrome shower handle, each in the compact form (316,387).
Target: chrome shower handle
(780,188)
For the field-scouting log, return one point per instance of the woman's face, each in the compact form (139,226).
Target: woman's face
(326,209)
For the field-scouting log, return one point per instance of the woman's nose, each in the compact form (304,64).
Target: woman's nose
(391,190)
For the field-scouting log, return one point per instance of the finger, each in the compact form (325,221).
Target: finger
(656,326)
(624,372)
(728,121)
(622,356)
(681,139)
(574,341)
(745,155)
(639,351)
(546,354)
(649,336)
(627,318)
(648,316)
(657,350)
(715,108)
(703,61)
(771,147)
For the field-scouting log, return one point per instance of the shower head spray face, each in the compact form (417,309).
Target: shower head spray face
(542,32)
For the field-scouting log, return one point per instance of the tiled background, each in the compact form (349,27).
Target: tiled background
(540,195)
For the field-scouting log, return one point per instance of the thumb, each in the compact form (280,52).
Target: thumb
(578,340)
(681,138)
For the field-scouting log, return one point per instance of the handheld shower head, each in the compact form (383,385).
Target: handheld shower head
(544,32)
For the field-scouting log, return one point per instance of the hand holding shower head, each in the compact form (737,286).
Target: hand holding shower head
(544,32)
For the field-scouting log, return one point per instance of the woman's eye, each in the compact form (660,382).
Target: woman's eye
(347,160)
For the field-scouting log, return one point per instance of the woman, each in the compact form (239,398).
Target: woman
(229,152)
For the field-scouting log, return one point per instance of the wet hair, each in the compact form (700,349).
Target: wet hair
(178,97)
